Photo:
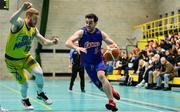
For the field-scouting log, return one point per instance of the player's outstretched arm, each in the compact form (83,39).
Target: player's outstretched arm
(75,37)
(46,42)
(14,20)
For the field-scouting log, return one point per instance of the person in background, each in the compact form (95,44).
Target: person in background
(177,60)
(147,72)
(76,68)
(167,72)
(141,69)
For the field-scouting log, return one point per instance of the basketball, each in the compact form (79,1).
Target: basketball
(111,53)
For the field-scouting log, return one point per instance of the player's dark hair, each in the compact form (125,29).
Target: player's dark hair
(92,16)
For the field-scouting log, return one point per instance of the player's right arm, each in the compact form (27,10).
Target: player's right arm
(75,37)
(15,19)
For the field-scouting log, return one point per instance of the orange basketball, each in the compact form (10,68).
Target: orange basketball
(111,54)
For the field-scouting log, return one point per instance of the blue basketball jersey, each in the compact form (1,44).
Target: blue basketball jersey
(92,42)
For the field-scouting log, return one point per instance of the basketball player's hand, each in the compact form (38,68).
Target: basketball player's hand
(114,45)
(81,49)
(56,40)
(26,6)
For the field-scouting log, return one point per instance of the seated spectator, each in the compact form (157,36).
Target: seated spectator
(141,69)
(154,47)
(176,46)
(143,55)
(156,65)
(167,72)
(160,51)
(169,57)
(148,70)
(165,45)
(122,63)
(132,65)
(177,60)
(108,67)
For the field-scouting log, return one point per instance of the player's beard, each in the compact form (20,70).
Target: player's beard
(90,30)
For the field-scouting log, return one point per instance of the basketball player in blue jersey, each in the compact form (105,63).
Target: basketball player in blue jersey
(90,40)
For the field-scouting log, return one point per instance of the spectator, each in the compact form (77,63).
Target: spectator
(167,71)
(148,70)
(165,45)
(160,51)
(156,65)
(132,65)
(122,64)
(141,69)
(169,57)
(177,60)
(109,67)
(154,47)
(143,55)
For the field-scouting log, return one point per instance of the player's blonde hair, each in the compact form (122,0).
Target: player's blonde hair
(32,11)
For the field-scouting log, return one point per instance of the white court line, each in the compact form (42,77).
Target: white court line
(146,103)
(17,92)
(103,96)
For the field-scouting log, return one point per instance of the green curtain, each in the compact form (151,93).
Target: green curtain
(43,24)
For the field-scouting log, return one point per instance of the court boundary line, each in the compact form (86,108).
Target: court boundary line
(103,96)
(98,95)
(141,102)
(34,100)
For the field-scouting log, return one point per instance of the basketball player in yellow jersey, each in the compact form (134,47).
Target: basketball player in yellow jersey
(17,55)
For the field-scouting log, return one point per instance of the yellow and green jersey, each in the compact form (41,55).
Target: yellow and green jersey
(19,44)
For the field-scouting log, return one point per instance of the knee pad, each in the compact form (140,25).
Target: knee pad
(36,70)
(38,73)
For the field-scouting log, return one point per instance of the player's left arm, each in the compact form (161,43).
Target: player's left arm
(46,42)
(107,39)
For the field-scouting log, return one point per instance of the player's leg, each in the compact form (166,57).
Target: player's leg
(15,67)
(107,88)
(82,82)
(101,67)
(105,84)
(22,79)
(73,77)
(92,73)
(34,69)
(102,83)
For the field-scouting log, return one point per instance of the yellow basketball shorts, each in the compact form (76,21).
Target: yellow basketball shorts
(18,67)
